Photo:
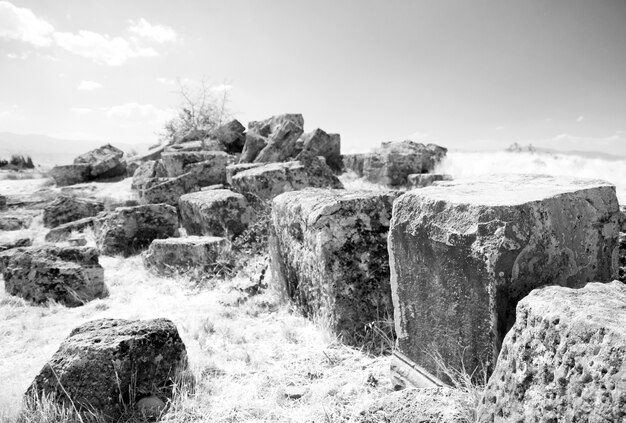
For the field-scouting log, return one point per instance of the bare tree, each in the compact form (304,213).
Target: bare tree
(202,108)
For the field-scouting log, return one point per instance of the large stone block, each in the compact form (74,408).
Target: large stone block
(127,230)
(252,147)
(167,190)
(464,253)
(70,174)
(63,232)
(232,170)
(15,221)
(104,162)
(231,135)
(391,164)
(171,256)
(319,143)
(329,255)
(280,144)
(142,175)
(67,275)
(564,360)
(178,163)
(67,209)
(270,180)
(218,212)
(107,366)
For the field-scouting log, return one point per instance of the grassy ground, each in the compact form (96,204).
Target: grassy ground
(255,359)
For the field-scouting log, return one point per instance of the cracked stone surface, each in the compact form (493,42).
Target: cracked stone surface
(464,253)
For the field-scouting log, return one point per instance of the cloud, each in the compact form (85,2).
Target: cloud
(81,110)
(100,48)
(580,119)
(135,111)
(19,56)
(166,81)
(89,85)
(158,33)
(17,23)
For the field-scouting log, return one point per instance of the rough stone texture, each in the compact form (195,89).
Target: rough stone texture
(564,360)
(270,180)
(319,143)
(16,243)
(436,405)
(187,147)
(67,209)
(63,232)
(67,275)
(129,229)
(328,254)
(77,241)
(269,126)
(15,222)
(252,147)
(463,254)
(231,135)
(622,257)
(70,174)
(218,212)
(167,257)
(210,172)
(167,190)
(3,202)
(143,174)
(421,180)
(318,173)
(104,162)
(280,143)
(232,170)
(179,163)
(103,360)
(394,161)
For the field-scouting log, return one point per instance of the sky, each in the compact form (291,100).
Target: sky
(464,74)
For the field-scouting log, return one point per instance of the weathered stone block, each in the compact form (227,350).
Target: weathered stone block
(231,135)
(318,173)
(105,365)
(178,163)
(70,174)
(319,143)
(280,144)
(14,221)
(168,190)
(252,147)
(464,253)
(67,209)
(143,174)
(218,212)
(167,257)
(329,254)
(270,180)
(564,360)
(104,162)
(127,230)
(232,170)
(62,232)
(3,202)
(15,243)
(67,275)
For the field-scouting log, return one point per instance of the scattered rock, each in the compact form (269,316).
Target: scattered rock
(104,162)
(16,243)
(421,180)
(188,146)
(168,190)
(127,230)
(319,143)
(219,212)
(295,392)
(270,180)
(67,209)
(167,257)
(463,254)
(179,163)
(391,164)
(252,147)
(3,202)
(105,364)
(70,174)
(143,174)
(622,257)
(328,254)
(68,275)
(15,222)
(319,174)
(564,360)
(63,232)
(280,143)
(231,135)
(232,170)
(441,405)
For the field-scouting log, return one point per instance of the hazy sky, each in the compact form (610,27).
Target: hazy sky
(465,74)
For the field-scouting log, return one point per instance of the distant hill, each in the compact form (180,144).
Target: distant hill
(48,151)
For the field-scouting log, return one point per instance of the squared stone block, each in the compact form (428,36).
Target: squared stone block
(463,254)
(171,256)
(328,254)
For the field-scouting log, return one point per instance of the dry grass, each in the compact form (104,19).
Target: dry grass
(244,351)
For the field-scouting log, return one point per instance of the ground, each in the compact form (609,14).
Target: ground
(255,358)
